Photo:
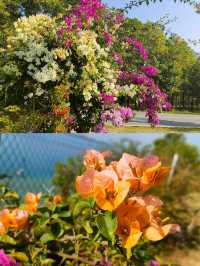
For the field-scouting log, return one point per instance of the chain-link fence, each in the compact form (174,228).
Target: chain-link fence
(29,159)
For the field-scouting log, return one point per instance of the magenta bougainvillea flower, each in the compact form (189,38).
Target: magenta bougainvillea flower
(108,38)
(118,58)
(6,260)
(107,98)
(139,47)
(149,70)
(153,263)
(104,262)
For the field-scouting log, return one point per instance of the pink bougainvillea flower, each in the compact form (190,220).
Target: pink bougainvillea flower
(118,58)
(119,18)
(126,113)
(108,38)
(68,43)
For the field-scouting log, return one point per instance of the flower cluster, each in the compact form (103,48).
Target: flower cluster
(139,47)
(118,58)
(117,116)
(107,98)
(151,98)
(18,218)
(84,13)
(149,70)
(117,187)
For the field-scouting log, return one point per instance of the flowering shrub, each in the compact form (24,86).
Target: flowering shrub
(68,73)
(108,222)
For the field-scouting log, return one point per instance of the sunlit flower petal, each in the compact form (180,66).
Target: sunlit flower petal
(85,183)
(94,159)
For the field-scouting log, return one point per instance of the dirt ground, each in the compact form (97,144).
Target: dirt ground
(184,257)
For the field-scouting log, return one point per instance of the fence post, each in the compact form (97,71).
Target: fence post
(173,167)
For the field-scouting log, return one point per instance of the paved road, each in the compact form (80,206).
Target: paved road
(169,120)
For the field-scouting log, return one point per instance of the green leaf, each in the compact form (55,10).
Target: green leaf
(47,237)
(19,256)
(57,230)
(88,227)
(47,262)
(8,240)
(13,195)
(63,214)
(107,225)
(81,205)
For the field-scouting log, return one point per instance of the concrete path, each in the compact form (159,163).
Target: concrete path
(169,120)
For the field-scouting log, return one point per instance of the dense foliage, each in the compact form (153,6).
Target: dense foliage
(108,222)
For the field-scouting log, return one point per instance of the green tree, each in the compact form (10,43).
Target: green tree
(136,3)
(193,79)
(11,10)
(176,63)
(170,53)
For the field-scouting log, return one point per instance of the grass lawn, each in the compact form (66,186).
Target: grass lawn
(149,129)
(183,112)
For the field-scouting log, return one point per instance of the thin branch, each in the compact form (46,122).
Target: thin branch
(75,257)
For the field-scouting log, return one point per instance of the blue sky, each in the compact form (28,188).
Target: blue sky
(187,24)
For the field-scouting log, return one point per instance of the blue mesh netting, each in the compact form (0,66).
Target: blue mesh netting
(29,159)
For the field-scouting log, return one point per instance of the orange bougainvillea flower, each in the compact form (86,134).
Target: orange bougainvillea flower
(140,216)
(129,232)
(31,201)
(132,217)
(156,232)
(6,218)
(143,173)
(104,186)
(57,199)
(12,219)
(94,159)
(2,229)
(61,111)
(85,183)
(20,218)
(109,191)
